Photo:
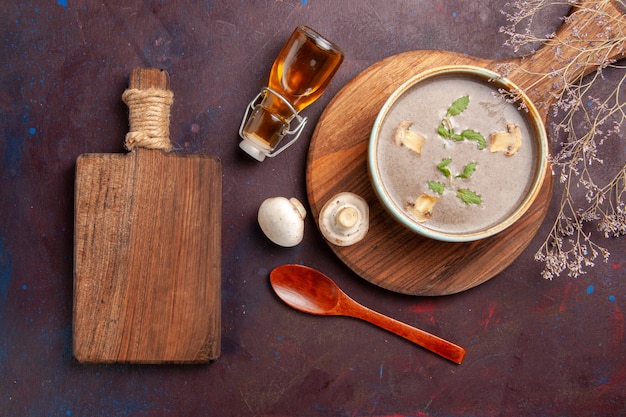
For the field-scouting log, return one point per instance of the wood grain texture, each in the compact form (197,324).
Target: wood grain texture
(147,268)
(390,256)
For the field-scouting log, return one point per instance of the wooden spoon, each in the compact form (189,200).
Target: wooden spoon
(310,291)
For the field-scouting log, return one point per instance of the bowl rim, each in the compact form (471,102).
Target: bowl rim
(532,116)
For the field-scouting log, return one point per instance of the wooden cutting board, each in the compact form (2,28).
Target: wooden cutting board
(391,256)
(147,269)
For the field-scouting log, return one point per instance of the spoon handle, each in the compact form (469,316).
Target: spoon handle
(424,339)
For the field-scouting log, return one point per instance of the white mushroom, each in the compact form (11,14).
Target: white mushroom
(509,141)
(344,219)
(282,220)
(412,140)
(422,207)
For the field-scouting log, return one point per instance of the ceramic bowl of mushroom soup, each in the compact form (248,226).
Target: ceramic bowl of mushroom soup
(453,157)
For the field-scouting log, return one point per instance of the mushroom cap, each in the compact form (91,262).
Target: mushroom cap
(344,219)
(282,220)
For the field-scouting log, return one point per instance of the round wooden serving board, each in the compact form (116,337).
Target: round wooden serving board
(391,256)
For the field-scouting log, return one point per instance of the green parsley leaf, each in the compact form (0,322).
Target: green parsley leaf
(436,186)
(468,170)
(442,166)
(458,106)
(457,137)
(475,136)
(468,196)
(443,131)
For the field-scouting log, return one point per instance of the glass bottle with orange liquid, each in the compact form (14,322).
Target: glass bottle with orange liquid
(300,74)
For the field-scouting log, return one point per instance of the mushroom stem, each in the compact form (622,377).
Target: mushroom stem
(299,206)
(347,217)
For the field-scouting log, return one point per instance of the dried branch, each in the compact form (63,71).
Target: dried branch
(588,122)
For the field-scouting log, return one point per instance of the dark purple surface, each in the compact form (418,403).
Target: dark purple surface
(535,347)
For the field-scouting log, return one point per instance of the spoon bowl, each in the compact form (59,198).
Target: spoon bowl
(311,292)
(308,290)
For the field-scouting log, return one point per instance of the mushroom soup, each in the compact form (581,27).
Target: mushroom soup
(468,159)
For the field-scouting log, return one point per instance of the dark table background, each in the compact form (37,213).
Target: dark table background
(535,347)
